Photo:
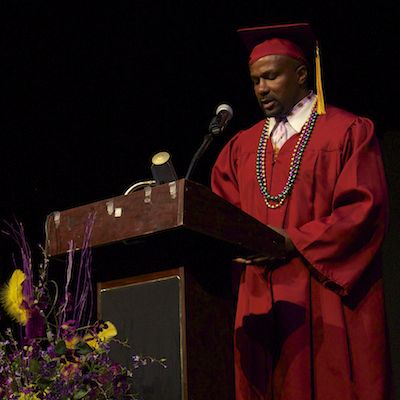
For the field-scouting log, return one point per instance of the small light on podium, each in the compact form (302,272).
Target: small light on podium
(162,169)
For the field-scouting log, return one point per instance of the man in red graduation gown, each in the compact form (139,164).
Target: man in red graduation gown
(312,325)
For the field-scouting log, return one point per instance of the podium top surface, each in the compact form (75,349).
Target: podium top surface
(159,210)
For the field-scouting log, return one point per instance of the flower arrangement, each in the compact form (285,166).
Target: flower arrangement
(60,353)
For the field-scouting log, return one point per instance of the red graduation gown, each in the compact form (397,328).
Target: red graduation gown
(313,328)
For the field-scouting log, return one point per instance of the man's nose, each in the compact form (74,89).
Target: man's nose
(262,86)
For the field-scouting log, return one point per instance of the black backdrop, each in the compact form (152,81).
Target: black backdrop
(90,91)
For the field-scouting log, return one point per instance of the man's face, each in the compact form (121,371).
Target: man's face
(279,83)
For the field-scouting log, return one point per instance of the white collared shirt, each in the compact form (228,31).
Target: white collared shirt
(296,118)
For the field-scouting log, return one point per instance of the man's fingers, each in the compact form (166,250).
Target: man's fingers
(256,260)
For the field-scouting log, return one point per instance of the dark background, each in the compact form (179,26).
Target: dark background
(90,91)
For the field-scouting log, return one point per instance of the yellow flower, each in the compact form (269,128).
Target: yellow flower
(71,343)
(28,396)
(11,297)
(107,331)
(69,370)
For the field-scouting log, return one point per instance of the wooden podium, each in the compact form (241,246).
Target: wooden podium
(162,263)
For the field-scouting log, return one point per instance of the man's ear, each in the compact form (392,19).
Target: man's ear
(302,74)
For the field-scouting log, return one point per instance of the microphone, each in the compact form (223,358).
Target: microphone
(223,115)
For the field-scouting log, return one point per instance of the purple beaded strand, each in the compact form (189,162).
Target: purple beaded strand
(275,201)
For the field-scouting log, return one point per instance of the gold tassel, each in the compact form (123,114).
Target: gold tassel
(318,79)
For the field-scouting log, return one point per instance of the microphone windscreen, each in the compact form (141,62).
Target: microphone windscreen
(225,107)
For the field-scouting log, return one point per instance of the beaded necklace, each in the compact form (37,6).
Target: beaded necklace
(276,201)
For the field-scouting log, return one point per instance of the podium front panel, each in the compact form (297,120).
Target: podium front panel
(147,311)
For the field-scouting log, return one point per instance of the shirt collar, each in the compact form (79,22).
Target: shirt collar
(299,114)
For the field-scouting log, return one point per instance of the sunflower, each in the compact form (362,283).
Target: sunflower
(12,299)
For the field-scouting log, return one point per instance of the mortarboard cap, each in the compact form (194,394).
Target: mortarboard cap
(294,40)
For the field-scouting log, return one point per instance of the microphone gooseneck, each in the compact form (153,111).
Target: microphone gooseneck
(223,115)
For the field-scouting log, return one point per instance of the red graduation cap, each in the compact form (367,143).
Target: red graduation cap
(294,40)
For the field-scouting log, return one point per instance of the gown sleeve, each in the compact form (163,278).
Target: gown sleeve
(339,247)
